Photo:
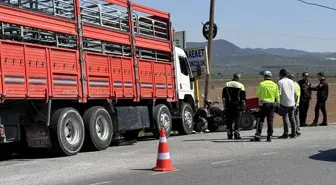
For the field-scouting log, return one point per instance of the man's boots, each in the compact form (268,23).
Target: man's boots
(255,139)
(237,135)
(229,135)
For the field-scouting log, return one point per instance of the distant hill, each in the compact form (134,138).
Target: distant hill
(227,57)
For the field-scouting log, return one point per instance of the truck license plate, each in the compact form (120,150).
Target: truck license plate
(38,136)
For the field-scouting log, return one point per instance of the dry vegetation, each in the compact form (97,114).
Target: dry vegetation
(250,85)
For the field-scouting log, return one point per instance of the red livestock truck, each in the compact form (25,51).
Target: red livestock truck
(79,73)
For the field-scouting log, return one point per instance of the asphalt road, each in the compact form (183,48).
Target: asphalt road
(200,159)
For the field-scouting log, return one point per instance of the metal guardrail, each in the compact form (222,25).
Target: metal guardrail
(61,8)
(36,36)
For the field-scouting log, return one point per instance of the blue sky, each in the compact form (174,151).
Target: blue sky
(257,23)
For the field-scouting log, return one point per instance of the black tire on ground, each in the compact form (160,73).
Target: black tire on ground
(212,128)
(247,121)
(6,151)
(131,135)
(162,118)
(98,128)
(186,126)
(67,131)
(201,125)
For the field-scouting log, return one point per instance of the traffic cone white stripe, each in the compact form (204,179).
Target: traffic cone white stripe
(163,139)
(163,156)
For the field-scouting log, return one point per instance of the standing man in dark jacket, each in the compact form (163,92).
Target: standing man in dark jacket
(234,97)
(305,87)
(322,96)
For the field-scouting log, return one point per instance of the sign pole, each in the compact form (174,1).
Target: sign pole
(208,75)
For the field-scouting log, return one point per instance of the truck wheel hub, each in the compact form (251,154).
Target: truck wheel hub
(188,118)
(101,128)
(165,121)
(71,131)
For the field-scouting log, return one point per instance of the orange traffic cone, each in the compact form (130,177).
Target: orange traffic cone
(163,162)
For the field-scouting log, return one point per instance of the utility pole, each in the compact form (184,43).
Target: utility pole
(211,29)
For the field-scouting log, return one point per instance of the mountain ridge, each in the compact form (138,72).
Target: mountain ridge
(228,57)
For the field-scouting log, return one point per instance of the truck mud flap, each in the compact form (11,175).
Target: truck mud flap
(37,136)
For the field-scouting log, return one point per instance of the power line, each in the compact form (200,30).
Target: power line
(319,5)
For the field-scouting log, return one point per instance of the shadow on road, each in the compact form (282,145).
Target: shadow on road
(148,169)
(327,155)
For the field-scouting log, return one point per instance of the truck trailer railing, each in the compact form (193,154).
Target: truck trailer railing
(36,36)
(104,15)
(61,8)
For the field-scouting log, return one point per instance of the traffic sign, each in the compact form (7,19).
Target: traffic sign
(206,30)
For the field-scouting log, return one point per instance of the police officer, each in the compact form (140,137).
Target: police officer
(305,88)
(322,96)
(268,94)
(234,98)
(296,111)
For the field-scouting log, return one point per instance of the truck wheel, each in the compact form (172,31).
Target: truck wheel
(99,126)
(187,125)
(67,131)
(162,119)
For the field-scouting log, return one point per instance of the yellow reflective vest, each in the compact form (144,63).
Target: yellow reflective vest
(268,91)
(298,93)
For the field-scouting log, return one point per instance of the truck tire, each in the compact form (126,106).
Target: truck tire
(187,125)
(162,118)
(98,128)
(67,131)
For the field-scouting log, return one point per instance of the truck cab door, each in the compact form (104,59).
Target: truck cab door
(185,82)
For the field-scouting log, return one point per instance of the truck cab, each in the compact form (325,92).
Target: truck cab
(186,104)
(184,77)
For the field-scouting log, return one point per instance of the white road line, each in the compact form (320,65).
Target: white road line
(220,162)
(100,183)
(313,146)
(270,153)
(158,173)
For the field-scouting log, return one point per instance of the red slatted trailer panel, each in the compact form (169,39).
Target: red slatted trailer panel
(37,71)
(13,70)
(106,34)
(123,78)
(146,78)
(152,43)
(32,71)
(36,20)
(65,74)
(156,79)
(99,76)
(164,80)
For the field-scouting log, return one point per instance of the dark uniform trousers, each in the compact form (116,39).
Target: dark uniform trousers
(303,109)
(233,114)
(266,111)
(320,105)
